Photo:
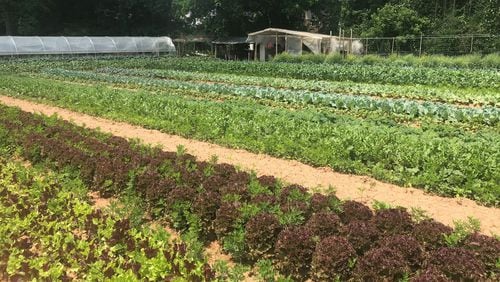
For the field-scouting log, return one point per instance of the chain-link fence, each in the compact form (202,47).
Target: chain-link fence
(451,45)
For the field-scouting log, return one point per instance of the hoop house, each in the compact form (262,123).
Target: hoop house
(36,45)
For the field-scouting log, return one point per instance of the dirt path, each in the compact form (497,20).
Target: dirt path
(360,188)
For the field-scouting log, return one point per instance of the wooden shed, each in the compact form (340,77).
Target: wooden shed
(232,48)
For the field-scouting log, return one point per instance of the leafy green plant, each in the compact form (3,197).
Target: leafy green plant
(61,236)
(461,230)
(419,215)
(233,273)
(379,205)
(234,243)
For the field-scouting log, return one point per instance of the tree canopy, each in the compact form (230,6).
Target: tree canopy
(238,17)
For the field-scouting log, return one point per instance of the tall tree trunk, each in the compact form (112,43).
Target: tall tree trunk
(10,28)
(436,5)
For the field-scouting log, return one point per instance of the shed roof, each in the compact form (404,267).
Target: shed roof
(274,31)
(230,40)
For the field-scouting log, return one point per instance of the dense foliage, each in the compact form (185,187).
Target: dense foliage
(168,182)
(238,17)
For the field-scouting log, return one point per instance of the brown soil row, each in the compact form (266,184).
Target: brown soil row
(359,188)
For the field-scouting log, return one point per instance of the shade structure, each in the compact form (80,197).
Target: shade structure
(294,39)
(272,41)
(41,45)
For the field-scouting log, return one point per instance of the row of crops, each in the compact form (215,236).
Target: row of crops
(386,74)
(351,103)
(50,231)
(258,220)
(200,70)
(421,92)
(439,157)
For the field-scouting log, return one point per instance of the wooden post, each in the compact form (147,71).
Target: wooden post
(343,43)
(255,51)
(366,47)
(286,43)
(276,46)
(471,43)
(392,48)
(350,44)
(215,49)
(339,39)
(420,49)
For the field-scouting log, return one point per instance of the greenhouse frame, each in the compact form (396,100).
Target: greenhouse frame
(53,45)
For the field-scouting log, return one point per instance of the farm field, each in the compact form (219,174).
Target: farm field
(51,231)
(401,139)
(259,220)
(433,130)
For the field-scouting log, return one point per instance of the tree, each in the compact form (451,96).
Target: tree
(326,15)
(8,15)
(396,20)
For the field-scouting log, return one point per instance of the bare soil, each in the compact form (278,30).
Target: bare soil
(98,202)
(360,188)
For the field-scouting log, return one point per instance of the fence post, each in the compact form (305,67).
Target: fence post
(276,45)
(343,44)
(340,40)
(392,48)
(471,43)
(366,47)
(420,48)
(350,44)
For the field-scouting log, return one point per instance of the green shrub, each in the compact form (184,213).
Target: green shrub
(371,59)
(334,58)
(312,58)
(491,61)
(286,57)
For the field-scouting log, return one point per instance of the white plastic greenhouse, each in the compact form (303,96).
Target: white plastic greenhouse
(49,45)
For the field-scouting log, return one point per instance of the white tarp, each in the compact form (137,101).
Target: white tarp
(311,40)
(37,45)
(292,41)
(293,45)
